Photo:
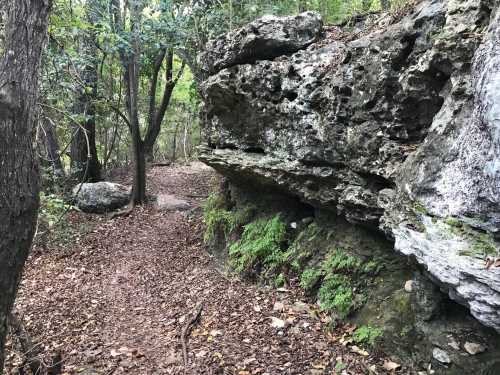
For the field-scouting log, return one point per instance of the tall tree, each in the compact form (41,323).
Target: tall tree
(134,55)
(156,113)
(25,36)
(84,160)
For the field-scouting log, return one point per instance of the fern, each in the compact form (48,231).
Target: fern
(260,243)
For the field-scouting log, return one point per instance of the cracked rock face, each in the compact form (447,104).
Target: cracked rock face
(394,129)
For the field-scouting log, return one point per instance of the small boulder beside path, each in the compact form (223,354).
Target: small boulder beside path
(100,197)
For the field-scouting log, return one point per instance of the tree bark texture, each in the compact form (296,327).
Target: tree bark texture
(25,37)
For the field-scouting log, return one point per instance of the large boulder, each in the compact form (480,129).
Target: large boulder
(100,197)
(394,127)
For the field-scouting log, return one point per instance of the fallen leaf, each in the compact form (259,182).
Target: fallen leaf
(278,306)
(391,366)
(359,351)
(277,323)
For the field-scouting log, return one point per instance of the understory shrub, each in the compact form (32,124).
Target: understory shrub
(52,207)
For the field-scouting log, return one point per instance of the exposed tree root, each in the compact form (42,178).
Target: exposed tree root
(195,315)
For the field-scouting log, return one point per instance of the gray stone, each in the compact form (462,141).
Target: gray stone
(100,197)
(166,203)
(441,356)
(426,298)
(474,348)
(264,39)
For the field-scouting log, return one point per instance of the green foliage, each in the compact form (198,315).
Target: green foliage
(279,280)
(261,242)
(336,294)
(52,208)
(216,217)
(343,275)
(219,219)
(310,278)
(339,366)
(367,335)
(340,261)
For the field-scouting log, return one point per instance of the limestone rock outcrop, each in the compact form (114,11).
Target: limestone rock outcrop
(394,127)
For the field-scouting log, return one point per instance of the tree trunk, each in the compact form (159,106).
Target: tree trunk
(25,36)
(139,186)
(52,147)
(156,115)
(302,6)
(174,143)
(130,63)
(84,160)
(385,4)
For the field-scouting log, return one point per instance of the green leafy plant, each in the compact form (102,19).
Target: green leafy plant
(366,335)
(336,294)
(217,218)
(343,274)
(52,208)
(280,280)
(339,366)
(310,278)
(261,242)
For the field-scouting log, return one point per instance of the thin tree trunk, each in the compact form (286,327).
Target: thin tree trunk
(174,143)
(156,116)
(132,81)
(84,159)
(185,141)
(52,147)
(302,6)
(129,60)
(25,37)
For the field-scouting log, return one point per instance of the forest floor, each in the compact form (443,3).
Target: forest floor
(115,294)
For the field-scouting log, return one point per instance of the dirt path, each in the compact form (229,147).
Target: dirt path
(116,299)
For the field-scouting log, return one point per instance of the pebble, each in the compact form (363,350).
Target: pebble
(441,356)
(473,348)
(409,286)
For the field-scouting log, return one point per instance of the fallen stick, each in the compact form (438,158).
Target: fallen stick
(187,330)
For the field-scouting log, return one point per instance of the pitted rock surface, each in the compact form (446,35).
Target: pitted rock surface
(397,129)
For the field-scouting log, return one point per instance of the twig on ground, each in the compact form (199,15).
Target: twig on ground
(187,330)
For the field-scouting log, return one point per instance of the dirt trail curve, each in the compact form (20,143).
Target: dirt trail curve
(116,300)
